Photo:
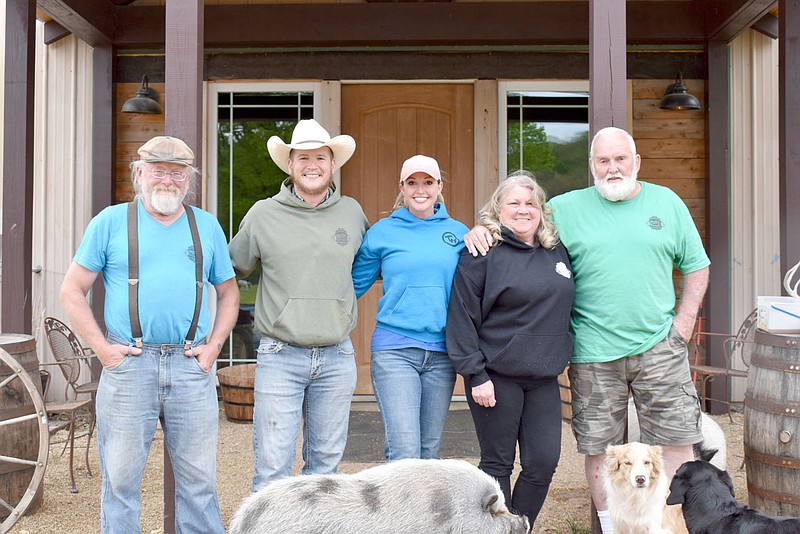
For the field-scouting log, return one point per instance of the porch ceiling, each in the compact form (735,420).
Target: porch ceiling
(651,22)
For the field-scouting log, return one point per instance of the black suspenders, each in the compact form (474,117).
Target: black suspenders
(133,273)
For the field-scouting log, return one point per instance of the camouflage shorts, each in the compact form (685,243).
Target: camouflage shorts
(661,385)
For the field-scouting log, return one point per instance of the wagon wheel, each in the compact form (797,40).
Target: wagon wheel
(40,415)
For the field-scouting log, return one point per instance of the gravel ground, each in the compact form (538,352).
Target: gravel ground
(62,512)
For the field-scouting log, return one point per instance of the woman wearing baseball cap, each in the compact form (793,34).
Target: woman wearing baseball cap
(415,250)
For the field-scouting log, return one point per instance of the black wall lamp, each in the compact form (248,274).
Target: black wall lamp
(144,101)
(677,97)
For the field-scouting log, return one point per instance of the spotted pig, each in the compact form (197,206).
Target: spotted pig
(404,497)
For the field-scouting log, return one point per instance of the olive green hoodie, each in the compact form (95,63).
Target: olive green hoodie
(305,295)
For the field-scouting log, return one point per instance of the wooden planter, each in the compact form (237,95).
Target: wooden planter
(236,384)
(566,396)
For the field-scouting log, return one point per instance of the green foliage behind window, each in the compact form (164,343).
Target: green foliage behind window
(548,135)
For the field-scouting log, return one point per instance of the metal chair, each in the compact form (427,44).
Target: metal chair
(74,359)
(736,347)
(70,409)
(75,362)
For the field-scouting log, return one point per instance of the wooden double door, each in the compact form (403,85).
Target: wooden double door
(391,122)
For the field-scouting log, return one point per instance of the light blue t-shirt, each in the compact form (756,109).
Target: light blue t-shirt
(166,271)
(623,255)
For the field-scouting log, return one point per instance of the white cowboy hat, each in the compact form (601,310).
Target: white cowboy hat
(310,135)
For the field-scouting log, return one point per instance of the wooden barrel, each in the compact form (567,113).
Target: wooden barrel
(772,425)
(18,440)
(566,395)
(236,384)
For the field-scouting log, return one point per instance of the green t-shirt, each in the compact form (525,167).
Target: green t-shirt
(623,255)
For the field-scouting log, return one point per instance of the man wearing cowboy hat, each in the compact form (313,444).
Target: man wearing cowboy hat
(305,239)
(158,256)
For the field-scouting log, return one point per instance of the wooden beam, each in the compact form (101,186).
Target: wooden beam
(17,247)
(91,20)
(788,126)
(417,24)
(767,25)
(725,19)
(607,65)
(53,31)
(394,65)
(717,310)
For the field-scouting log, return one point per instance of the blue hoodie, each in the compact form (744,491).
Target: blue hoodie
(417,259)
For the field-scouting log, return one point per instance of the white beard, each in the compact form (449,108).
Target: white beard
(165,202)
(618,190)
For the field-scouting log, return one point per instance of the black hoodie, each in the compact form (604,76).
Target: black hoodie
(509,312)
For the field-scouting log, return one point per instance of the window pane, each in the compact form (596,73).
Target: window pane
(548,135)
(245,171)
(247,174)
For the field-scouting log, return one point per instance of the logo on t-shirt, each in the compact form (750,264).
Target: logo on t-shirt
(655,223)
(341,237)
(450,238)
(190,252)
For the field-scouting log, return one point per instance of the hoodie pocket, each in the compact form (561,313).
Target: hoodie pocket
(420,308)
(533,356)
(314,321)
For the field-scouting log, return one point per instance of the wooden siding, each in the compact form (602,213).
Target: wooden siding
(672,144)
(754,210)
(133,130)
(673,148)
(62,175)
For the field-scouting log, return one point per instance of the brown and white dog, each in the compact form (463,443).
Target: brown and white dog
(636,491)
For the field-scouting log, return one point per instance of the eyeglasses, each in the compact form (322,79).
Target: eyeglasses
(177,176)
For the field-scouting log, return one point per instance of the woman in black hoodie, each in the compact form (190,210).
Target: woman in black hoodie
(508,336)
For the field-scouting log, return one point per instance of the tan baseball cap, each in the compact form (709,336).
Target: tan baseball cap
(420,163)
(166,149)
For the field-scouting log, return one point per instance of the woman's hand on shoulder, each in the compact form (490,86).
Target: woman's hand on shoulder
(478,240)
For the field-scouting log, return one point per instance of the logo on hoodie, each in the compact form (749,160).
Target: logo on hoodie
(450,238)
(561,268)
(341,237)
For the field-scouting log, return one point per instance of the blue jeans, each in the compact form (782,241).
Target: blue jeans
(316,383)
(413,388)
(159,384)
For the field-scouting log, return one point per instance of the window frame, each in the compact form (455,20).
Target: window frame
(503,88)
(214,90)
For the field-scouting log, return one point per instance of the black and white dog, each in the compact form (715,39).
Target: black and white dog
(709,505)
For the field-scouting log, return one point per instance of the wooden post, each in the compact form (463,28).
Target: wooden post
(607,84)
(183,106)
(607,65)
(789,123)
(17,247)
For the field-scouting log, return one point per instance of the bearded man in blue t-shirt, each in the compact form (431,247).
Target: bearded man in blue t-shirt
(158,257)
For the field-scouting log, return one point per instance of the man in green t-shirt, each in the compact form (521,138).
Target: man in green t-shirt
(624,239)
